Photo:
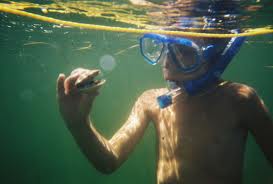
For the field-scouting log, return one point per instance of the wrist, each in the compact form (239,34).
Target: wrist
(78,123)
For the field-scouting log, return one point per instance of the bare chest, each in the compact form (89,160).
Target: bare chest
(199,139)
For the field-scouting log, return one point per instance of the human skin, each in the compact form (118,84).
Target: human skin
(200,139)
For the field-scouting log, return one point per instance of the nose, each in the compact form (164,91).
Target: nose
(165,61)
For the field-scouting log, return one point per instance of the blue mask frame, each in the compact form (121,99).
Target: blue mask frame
(202,53)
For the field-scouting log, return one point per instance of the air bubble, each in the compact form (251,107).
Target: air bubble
(107,62)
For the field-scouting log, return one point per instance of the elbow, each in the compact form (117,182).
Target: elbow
(106,164)
(106,168)
(106,171)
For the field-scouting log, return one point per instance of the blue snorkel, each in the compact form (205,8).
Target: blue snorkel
(192,87)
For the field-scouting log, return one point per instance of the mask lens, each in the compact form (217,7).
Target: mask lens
(152,49)
(185,56)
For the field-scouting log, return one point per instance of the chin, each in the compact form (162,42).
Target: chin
(167,76)
(171,77)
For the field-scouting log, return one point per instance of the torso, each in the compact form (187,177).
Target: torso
(200,139)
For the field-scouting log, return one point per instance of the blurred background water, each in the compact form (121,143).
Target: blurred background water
(36,147)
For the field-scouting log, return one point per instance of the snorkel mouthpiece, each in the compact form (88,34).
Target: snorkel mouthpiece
(164,101)
(167,99)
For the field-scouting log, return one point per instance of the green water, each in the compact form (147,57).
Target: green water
(37,148)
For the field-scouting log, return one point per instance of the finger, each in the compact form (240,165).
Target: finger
(60,85)
(69,84)
(87,76)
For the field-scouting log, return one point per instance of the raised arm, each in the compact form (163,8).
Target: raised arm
(105,155)
(259,123)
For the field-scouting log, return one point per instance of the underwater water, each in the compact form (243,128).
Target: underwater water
(36,147)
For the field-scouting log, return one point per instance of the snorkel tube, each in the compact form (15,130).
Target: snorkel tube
(192,87)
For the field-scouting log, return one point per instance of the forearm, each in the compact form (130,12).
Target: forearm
(75,106)
(94,146)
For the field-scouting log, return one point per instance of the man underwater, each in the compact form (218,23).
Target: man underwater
(201,121)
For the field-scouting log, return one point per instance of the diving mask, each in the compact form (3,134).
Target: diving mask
(185,53)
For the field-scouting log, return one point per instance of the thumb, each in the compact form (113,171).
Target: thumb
(60,85)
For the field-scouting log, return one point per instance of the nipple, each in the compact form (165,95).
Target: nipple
(167,99)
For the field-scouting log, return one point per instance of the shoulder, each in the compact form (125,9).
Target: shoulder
(250,105)
(240,92)
(242,97)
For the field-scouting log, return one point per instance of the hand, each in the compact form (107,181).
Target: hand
(75,102)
